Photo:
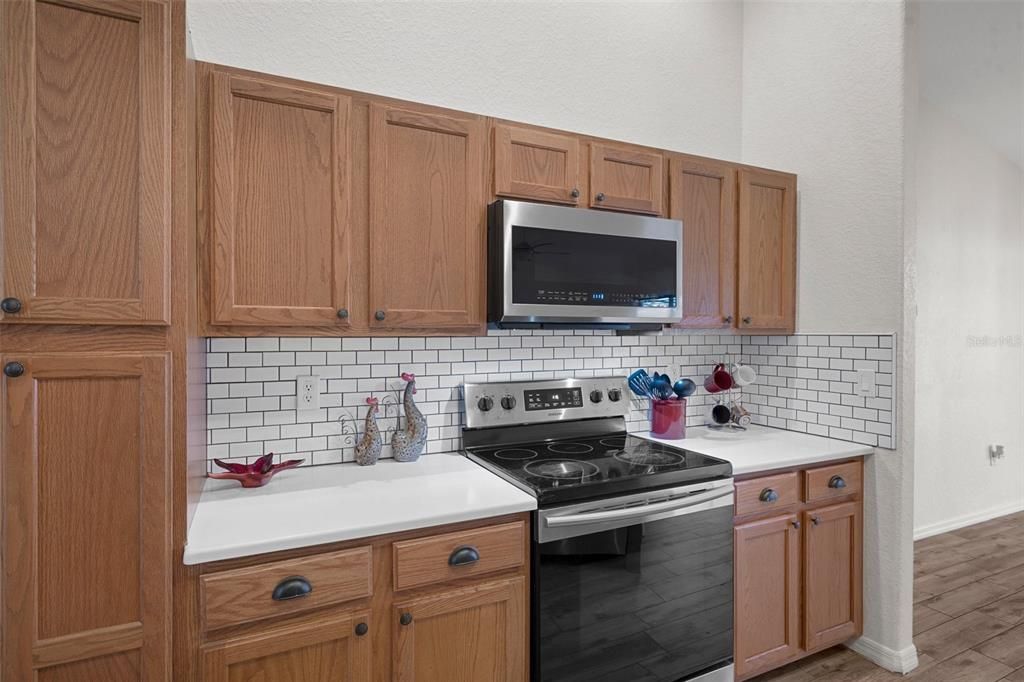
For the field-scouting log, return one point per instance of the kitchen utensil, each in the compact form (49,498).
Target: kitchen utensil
(641,384)
(668,419)
(718,414)
(743,375)
(719,380)
(684,388)
(739,415)
(662,387)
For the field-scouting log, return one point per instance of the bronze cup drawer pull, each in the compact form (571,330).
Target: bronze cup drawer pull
(837,482)
(464,556)
(768,495)
(292,588)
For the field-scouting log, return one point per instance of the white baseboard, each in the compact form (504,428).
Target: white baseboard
(902,661)
(966,520)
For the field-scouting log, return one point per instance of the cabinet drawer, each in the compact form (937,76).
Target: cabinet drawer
(754,496)
(832,481)
(440,558)
(247,594)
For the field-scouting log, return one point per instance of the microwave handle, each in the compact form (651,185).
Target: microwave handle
(639,511)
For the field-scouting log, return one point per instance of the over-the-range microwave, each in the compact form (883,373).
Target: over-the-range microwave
(556,266)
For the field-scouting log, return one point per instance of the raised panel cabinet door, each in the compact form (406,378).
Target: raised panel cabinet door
(623,179)
(427,219)
(85,131)
(702,194)
(833,610)
(472,634)
(530,164)
(766,274)
(86,522)
(330,649)
(767,597)
(280,233)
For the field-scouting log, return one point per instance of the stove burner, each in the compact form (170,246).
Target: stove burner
(641,458)
(570,448)
(561,469)
(515,454)
(618,442)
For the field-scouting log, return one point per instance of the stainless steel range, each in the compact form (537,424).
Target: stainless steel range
(632,540)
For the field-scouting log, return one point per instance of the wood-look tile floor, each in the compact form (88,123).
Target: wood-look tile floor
(968,613)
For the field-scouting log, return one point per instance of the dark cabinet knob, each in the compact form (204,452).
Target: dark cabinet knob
(362,629)
(14,369)
(575,193)
(747,320)
(405,619)
(343,314)
(464,556)
(379,315)
(600,196)
(768,495)
(291,588)
(796,524)
(837,482)
(727,319)
(815,520)
(10,306)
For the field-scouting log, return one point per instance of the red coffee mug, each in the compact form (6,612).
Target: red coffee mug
(719,380)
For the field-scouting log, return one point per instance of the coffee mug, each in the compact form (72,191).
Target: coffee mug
(743,375)
(718,414)
(739,415)
(719,380)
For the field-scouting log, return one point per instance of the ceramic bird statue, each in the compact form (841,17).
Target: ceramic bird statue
(407,443)
(369,446)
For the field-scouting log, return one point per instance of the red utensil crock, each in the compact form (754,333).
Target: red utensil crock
(668,419)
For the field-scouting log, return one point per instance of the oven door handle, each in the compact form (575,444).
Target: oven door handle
(692,500)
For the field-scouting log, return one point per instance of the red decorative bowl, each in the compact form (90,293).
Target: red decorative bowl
(256,474)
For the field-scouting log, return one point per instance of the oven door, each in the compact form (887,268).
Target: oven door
(551,264)
(636,587)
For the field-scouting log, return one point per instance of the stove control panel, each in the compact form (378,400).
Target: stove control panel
(532,402)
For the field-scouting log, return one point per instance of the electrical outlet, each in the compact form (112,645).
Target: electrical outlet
(866,384)
(307,396)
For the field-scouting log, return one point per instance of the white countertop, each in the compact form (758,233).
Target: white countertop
(761,448)
(315,505)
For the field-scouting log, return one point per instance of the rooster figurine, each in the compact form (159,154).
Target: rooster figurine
(368,448)
(407,443)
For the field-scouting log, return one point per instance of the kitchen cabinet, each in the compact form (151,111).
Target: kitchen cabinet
(767,598)
(536,165)
(335,649)
(766,263)
(427,219)
(798,542)
(86,523)
(702,194)
(463,635)
(280,228)
(85,221)
(626,179)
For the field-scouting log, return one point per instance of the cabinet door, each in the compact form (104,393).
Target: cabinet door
(86,524)
(767,598)
(335,649)
(767,251)
(85,121)
(625,179)
(530,164)
(474,634)
(280,207)
(427,220)
(702,194)
(832,575)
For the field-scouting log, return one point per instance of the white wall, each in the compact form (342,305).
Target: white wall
(663,74)
(823,96)
(969,358)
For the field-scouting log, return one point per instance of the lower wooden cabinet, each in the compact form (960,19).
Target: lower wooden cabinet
(335,649)
(798,571)
(475,634)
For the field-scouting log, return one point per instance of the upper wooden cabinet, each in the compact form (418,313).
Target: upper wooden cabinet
(86,522)
(426,220)
(766,298)
(279,231)
(832,587)
(530,164)
(85,119)
(702,194)
(626,179)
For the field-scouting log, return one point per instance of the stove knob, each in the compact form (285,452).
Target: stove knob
(596,396)
(614,395)
(485,404)
(508,402)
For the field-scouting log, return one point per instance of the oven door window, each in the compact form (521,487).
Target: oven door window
(560,267)
(651,601)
